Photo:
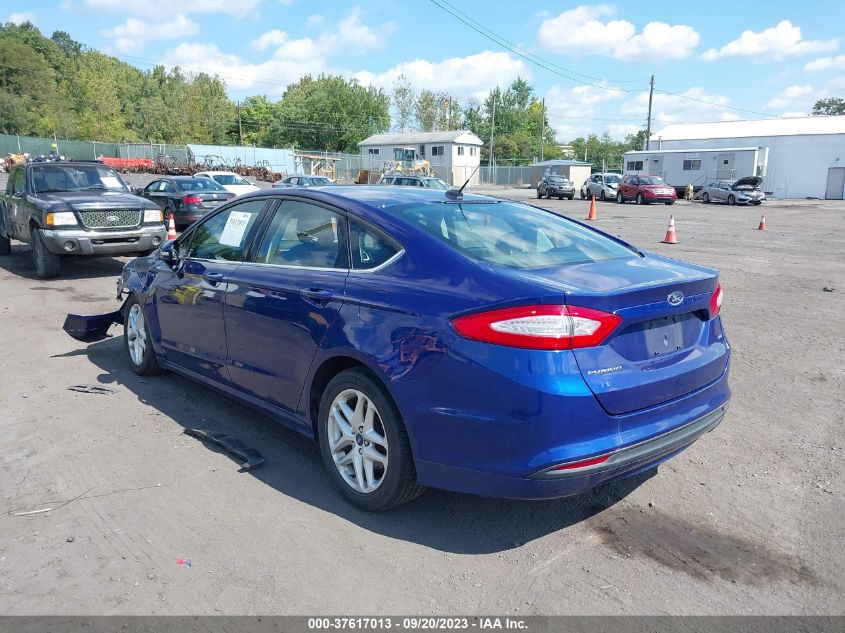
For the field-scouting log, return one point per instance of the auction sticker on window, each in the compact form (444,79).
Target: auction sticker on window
(236,225)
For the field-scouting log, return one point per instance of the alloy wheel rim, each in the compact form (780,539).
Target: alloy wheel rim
(136,334)
(357,441)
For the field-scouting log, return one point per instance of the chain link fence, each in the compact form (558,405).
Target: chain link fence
(87,150)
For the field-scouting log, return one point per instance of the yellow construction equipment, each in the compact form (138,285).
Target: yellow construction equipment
(406,162)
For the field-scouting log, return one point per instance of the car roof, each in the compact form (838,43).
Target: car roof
(217,173)
(370,195)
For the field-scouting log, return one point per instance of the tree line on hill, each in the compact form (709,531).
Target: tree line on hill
(57,86)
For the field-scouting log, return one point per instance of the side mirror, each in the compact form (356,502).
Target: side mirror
(169,253)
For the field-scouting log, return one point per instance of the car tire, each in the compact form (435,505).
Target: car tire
(731,200)
(602,197)
(397,482)
(572,197)
(560,197)
(136,339)
(619,198)
(47,264)
(705,198)
(640,199)
(539,195)
(5,245)
(583,195)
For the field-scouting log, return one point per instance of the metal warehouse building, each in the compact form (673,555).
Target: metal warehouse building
(806,156)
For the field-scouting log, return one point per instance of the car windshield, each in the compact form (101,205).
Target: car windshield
(199,184)
(435,183)
(651,180)
(229,179)
(511,235)
(558,180)
(58,177)
(611,178)
(320,181)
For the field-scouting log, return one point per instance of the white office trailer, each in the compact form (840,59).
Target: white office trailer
(453,155)
(682,167)
(801,157)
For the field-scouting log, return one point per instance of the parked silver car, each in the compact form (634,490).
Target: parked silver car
(602,186)
(742,191)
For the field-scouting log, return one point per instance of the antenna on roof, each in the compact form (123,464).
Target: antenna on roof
(457,194)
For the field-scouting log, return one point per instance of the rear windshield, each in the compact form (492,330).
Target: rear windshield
(435,183)
(321,182)
(199,184)
(511,235)
(63,177)
(651,180)
(229,179)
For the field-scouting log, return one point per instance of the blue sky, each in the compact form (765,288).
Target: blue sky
(719,60)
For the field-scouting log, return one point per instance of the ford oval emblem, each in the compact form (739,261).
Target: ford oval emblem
(675,298)
(112,219)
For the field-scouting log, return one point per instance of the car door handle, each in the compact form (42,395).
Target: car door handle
(316,294)
(213,278)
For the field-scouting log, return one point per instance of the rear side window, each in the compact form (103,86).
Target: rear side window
(369,248)
(512,235)
(225,235)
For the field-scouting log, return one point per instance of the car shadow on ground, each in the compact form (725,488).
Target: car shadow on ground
(73,267)
(450,522)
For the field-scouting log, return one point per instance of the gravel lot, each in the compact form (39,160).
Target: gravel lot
(748,521)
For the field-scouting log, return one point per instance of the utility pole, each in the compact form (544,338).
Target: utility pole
(240,128)
(648,126)
(542,129)
(449,116)
(493,128)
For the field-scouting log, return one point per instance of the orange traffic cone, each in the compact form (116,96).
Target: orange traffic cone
(670,232)
(592,215)
(762,226)
(171,228)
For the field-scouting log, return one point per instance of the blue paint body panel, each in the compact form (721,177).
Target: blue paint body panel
(481,418)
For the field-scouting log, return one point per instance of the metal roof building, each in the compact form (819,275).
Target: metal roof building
(453,154)
(806,155)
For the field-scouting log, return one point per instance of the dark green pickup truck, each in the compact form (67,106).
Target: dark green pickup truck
(75,208)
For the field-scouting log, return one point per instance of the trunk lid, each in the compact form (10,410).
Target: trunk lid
(666,345)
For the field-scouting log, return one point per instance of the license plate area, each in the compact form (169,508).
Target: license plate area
(658,337)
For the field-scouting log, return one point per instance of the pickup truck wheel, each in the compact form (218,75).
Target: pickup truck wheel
(5,245)
(364,444)
(136,340)
(47,265)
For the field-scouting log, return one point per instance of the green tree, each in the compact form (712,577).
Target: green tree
(328,113)
(829,106)
(403,100)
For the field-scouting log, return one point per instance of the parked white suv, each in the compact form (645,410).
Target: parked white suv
(602,186)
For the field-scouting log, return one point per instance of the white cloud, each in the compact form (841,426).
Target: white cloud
(272,75)
(776,43)
(20,18)
(462,77)
(286,3)
(571,112)
(268,39)
(826,63)
(668,109)
(289,58)
(155,8)
(134,33)
(314,20)
(580,31)
(790,96)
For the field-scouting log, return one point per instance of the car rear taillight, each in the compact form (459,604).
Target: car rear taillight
(230,196)
(191,200)
(539,326)
(716,301)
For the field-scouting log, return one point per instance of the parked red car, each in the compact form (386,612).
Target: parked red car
(645,190)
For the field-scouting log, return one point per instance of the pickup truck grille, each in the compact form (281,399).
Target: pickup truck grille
(111,219)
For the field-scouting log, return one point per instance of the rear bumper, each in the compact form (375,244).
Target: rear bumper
(625,462)
(80,242)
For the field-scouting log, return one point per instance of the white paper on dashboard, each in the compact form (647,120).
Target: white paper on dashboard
(111,182)
(233,232)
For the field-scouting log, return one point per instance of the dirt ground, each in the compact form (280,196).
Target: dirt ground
(146,520)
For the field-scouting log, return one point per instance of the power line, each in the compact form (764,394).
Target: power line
(542,63)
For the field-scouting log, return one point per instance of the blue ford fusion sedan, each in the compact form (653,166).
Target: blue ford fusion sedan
(434,339)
